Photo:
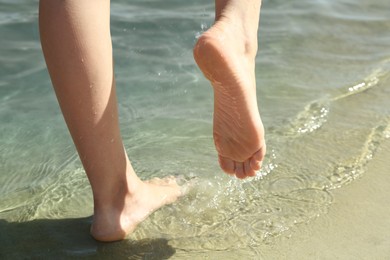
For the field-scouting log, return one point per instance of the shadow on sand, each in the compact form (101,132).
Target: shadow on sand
(70,239)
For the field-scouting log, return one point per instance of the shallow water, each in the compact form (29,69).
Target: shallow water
(323,74)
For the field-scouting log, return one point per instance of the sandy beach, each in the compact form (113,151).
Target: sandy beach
(356,226)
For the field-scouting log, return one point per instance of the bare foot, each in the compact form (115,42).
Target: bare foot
(115,222)
(226,57)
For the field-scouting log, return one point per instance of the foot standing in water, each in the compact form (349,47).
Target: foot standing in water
(76,42)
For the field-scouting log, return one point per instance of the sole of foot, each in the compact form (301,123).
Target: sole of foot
(227,59)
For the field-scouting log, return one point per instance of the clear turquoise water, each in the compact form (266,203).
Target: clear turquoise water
(323,90)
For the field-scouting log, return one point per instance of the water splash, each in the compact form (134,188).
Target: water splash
(204,27)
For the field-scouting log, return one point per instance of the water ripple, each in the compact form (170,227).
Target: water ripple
(345,172)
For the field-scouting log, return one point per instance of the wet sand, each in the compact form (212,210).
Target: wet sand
(356,226)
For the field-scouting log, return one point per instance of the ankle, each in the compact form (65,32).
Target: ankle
(113,195)
(241,24)
(235,32)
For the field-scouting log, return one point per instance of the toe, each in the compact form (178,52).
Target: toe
(239,170)
(227,165)
(259,155)
(248,169)
(257,159)
(255,164)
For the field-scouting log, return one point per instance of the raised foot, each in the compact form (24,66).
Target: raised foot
(116,222)
(227,58)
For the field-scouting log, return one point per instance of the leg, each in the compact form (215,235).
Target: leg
(76,41)
(226,55)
